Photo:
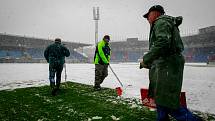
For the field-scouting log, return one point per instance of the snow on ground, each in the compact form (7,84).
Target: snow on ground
(198,82)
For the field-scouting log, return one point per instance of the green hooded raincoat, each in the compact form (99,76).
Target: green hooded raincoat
(55,54)
(165,61)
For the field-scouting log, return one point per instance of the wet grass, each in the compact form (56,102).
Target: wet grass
(74,102)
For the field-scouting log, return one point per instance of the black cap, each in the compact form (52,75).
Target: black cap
(58,40)
(158,8)
(107,37)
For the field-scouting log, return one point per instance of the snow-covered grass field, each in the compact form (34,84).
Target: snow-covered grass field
(74,102)
(198,82)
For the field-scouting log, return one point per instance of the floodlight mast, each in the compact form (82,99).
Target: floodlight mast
(96,18)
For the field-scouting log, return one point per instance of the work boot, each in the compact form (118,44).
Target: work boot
(52,85)
(54,92)
(97,88)
(58,86)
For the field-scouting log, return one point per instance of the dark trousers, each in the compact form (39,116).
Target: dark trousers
(55,70)
(101,71)
(181,114)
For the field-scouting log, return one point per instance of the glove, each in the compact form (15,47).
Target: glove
(142,65)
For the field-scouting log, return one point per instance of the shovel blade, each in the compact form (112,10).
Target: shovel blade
(119,91)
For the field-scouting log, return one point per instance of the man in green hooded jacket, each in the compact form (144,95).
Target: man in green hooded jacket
(101,61)
(55,55)
(165,63)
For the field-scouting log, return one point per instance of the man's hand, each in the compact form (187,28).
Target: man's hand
(143,65)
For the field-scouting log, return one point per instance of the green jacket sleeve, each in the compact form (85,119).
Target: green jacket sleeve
(101,53)
(161,41)
(46,54)
(66,51)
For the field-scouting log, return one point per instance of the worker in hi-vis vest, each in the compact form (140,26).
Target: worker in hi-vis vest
(101,61)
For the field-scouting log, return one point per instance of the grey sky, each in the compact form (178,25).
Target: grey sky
(72,20)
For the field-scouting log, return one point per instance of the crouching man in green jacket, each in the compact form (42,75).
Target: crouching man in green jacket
(101,61)
(166,64)
(55,55)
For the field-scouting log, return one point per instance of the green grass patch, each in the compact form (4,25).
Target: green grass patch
(74,102)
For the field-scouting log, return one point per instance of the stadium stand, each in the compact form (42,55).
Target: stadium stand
(15,48)
(3,53)
(198,48)
(128,51)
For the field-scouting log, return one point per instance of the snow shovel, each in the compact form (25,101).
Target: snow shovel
(65,77)
(150,102)
(118,89)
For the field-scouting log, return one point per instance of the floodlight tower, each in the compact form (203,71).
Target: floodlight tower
(96,18)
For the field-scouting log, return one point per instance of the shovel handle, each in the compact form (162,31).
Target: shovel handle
(65,71)
(116,76)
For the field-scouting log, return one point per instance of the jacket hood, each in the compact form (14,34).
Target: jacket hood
(175,20)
